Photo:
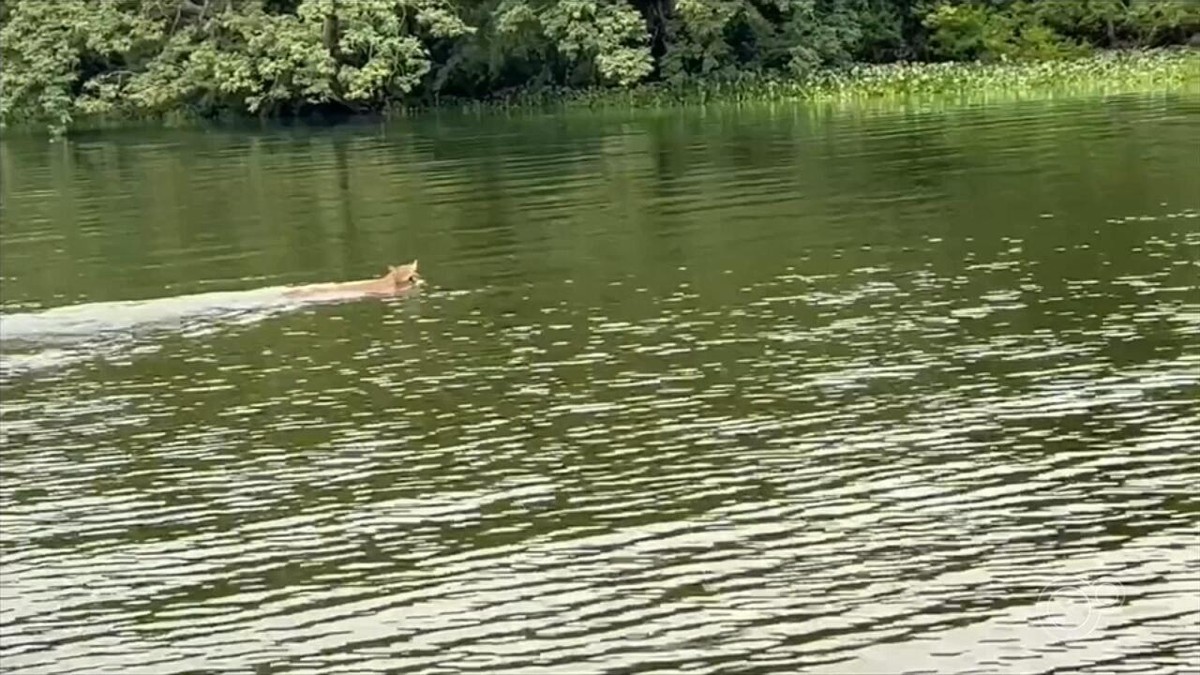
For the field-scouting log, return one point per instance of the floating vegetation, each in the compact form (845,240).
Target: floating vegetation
(860,87)
(1104,73)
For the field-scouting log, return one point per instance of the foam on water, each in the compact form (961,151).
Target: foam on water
(68,335)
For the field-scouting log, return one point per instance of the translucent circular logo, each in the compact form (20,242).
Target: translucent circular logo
(1073,610)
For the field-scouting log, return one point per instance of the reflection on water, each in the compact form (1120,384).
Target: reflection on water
(753,391)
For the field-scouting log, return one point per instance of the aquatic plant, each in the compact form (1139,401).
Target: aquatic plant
(1105,73)
(136,59)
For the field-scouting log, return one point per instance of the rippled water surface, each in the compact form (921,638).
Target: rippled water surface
(758,391)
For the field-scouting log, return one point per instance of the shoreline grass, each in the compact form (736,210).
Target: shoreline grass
(1102,73)
(1163,71)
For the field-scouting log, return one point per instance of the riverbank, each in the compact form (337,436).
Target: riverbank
(1103,73)
(1174,70)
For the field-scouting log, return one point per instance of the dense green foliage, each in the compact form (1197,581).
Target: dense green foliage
(66,58)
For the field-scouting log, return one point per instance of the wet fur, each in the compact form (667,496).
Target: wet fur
(398,279)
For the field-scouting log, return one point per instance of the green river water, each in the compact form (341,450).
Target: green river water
(762,390)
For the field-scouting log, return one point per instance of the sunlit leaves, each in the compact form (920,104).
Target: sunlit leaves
(64,58)
(72,56)
(607,35)
(49,48)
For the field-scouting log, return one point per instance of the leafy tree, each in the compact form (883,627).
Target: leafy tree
(66,58)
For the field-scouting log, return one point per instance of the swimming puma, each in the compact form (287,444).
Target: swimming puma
(397,280)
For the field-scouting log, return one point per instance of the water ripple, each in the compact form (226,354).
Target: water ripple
(876,427)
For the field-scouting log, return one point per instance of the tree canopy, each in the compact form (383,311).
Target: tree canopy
(64,58)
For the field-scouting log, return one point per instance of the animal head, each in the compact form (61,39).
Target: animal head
(403,275)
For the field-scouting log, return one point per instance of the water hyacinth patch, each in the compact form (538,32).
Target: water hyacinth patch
(1105,73)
